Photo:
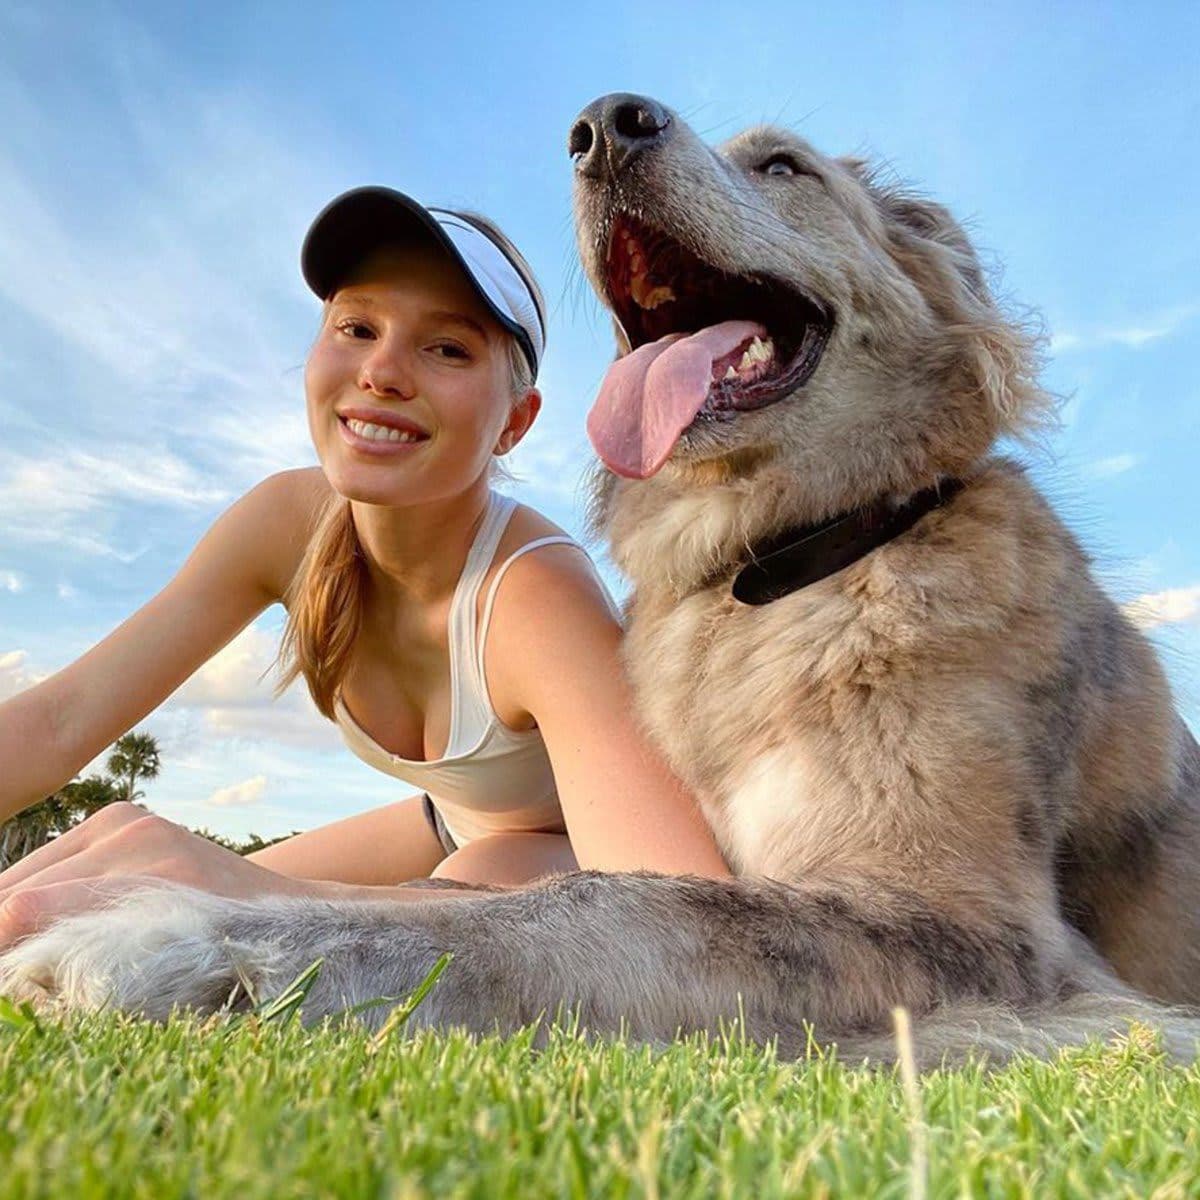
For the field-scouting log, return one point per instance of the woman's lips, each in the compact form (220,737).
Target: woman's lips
(380,436)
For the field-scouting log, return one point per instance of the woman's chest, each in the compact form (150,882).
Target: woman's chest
(413,690)
(399,691)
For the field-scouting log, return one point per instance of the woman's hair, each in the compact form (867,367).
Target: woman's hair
(325,598)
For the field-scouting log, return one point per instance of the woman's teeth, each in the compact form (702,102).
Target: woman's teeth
(380,433)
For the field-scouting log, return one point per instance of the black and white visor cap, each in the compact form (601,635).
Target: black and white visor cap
(357,222)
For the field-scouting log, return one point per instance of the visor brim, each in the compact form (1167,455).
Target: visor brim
(360,221)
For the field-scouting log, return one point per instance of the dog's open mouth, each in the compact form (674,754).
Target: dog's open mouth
(705,345)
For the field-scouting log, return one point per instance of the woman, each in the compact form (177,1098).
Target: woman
(460,641)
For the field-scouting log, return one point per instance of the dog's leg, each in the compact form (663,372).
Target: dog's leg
(651,955)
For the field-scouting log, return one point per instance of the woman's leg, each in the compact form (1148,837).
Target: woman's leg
(508,859)
(387,845)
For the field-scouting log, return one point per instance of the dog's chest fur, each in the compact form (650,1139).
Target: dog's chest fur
(852,714)
(755,739)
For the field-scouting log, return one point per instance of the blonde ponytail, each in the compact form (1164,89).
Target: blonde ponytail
(325,605)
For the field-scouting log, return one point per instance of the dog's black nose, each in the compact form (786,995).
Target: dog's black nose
(613,130)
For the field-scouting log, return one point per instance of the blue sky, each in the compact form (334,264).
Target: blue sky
(160,163)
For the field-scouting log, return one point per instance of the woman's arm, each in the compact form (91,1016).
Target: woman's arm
(240,566)
(554,644)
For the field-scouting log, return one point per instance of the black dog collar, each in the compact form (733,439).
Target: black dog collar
(804,554)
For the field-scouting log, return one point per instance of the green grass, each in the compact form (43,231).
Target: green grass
(103,1105)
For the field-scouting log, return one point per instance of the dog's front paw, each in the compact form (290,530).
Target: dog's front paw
(151,950)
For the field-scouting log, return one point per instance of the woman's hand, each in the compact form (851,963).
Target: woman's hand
(120,848)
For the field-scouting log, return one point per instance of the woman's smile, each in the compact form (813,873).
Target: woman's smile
(372,432)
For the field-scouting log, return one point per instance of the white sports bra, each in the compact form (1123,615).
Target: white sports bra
(491,779)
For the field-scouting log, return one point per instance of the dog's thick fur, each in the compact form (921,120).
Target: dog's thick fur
(950,775)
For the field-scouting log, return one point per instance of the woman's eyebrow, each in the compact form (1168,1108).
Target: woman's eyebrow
(459,319)
(350,298)
(443,315)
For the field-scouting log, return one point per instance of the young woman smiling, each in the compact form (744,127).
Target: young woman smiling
(461,641)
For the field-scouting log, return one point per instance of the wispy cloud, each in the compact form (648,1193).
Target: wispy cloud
(10,581)
(1117,464)
(1134,336)
(180,338)
(1174,606)
(552,462)
(249,791)
(48,498)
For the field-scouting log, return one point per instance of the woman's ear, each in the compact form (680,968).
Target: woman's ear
(520,418)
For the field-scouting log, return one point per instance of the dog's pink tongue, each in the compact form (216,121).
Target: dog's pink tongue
(649,397)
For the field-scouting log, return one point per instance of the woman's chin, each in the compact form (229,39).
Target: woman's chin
(372,487)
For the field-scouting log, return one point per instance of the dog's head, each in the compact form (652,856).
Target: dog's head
(778,307)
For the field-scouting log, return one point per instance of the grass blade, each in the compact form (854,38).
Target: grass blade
(402,1012)
(284,1006)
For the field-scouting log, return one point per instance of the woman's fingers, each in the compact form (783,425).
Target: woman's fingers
(101,824)
(31,910)
(130,849)
(147,845)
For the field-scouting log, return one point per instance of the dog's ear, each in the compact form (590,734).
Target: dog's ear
(999,353)
(934,223)
(918,217)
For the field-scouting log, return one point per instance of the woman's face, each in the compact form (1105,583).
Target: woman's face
(408,383)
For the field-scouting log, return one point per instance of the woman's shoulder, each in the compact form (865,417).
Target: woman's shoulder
(299,491)
(278,516)
(527,526)
(562,575)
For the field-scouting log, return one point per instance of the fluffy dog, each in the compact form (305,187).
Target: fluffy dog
(946,768)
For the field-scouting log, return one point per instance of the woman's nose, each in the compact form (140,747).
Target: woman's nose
(387,372)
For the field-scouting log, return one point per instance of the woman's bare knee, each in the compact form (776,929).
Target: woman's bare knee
(508,859)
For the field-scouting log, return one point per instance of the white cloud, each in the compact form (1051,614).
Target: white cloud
(233,675)
(249,791)
(15,675)
(10,581)
(66,591)
(1174,606)
(1133,336)
(233,693)
(1117,464)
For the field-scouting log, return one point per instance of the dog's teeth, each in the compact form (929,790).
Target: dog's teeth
(758,351)
(659,295)
(730,373)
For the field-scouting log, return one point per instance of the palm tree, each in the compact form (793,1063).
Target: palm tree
(83,797)
(38,824)
(69,805)
(133,757)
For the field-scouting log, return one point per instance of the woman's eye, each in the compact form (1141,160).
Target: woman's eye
(450,350)
(356,329)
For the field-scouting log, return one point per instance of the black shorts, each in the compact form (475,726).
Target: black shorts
(438,825)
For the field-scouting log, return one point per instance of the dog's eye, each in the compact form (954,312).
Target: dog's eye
(781,164)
